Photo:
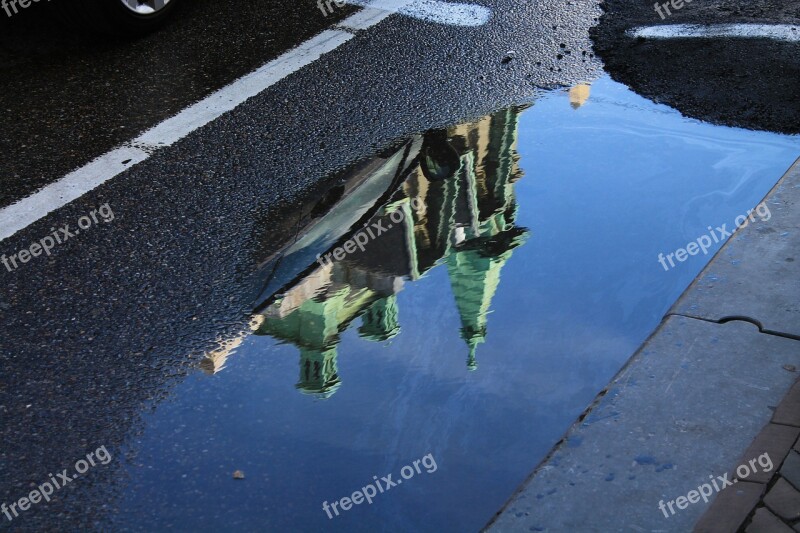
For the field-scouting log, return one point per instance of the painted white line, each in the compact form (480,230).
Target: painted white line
(230,96)
(79,182)
(74,185)
(781,32)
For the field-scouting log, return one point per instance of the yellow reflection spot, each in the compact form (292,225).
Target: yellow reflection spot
(578,95)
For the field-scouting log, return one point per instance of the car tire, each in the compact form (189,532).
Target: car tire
(120,17)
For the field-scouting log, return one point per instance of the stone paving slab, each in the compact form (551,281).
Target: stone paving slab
(757,273)
(784,500)
(766,522)
(683,409)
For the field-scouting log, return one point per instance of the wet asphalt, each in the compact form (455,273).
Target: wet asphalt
(748,83)
(98,332)
(69,96)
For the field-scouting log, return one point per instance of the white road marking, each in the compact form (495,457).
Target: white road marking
(79,182)
(781,32)
(230,96)
(72,186)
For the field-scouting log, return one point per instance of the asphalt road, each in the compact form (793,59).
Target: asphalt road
(70,96)
(749,83)
(97,332)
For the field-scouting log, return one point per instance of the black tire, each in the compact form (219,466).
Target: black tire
(112,17)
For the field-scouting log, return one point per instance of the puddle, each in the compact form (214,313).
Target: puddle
(515,272)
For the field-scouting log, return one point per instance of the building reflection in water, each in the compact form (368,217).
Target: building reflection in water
(464,219)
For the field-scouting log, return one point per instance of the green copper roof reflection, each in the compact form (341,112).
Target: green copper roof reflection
(474,276)
(380,321)
(466,222)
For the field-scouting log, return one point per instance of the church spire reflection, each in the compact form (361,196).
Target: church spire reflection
(462,217)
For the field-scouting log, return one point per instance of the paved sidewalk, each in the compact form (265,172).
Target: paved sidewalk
(711,382)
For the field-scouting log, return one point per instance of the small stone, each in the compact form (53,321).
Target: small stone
(238,475)
(509,56)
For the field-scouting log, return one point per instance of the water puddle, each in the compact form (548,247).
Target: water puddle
(461,297)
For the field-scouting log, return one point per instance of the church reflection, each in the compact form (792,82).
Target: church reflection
(462,219)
